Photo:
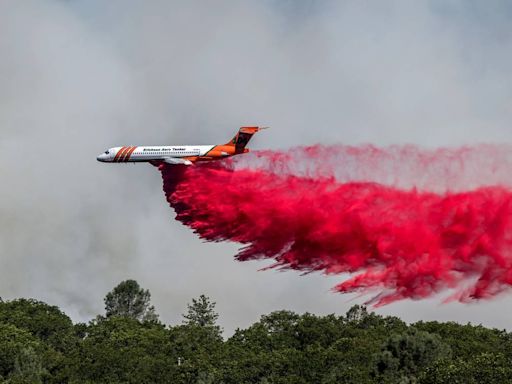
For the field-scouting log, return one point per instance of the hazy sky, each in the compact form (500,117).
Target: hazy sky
(79,76)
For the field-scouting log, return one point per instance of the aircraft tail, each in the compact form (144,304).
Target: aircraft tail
(242,137)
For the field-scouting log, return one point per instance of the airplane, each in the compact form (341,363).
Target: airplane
(180,154)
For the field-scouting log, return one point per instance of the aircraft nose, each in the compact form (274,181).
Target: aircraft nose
(101,157)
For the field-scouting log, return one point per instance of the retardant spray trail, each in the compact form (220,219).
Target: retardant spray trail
(405,243)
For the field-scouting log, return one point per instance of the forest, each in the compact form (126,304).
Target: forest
(129,344)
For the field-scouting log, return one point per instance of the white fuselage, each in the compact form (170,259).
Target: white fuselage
(153,153)
(180,154)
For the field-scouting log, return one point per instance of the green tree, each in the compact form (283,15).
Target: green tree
(51,327)
(198,342)
(44,321)
(20,354)
(39,344)
(201,312)
(467,340)
(198,350)
(484,368)
(404,356)
(357,313)
(129,300)
(28,367)
(119,349)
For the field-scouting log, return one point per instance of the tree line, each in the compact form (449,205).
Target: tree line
(129,344)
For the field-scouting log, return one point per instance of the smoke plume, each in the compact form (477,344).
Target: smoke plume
(80,76)
(307,210)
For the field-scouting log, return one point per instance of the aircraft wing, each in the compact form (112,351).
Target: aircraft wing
(177,161)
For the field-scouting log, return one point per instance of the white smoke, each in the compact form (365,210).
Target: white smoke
(77,77)
(406,167)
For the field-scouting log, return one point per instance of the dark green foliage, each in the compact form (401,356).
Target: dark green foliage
(201,312)
(468,340)
(405,356)
(485,368)
(39,344)
(290,348)
(21,354)
(28,367)
(45,322)
(129,300)
(50,327)
(120,349)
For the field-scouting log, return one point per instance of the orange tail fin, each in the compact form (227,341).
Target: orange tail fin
(242,137)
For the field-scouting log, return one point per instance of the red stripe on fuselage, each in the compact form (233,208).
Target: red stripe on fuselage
(129,153)
(121,158)
(118,154)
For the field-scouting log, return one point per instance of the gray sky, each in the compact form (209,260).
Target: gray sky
(79,76)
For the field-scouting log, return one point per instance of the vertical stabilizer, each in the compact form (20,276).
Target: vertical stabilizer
(242,137)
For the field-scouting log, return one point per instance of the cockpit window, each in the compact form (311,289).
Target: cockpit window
(106,152)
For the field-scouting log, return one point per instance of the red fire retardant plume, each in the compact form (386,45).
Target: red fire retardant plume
(402,243)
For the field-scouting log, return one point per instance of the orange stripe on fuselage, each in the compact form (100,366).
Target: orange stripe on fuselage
(116,158)
(129,153)
(121,158)
(217,150)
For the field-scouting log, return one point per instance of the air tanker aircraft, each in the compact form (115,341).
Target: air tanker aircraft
(181,154)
